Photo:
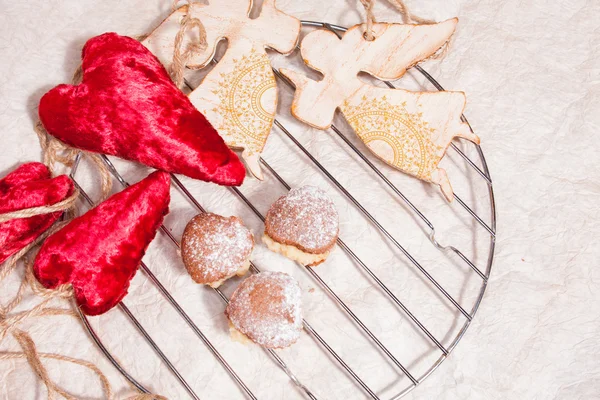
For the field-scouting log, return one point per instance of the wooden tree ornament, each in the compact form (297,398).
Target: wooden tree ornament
(408,130)
(238,96)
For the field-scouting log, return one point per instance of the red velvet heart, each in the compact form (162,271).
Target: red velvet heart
(100,251)
(29,186)
(128,106)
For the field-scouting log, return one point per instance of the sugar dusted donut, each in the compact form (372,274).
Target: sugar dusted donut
(303,225)
(267,309)
(215,248)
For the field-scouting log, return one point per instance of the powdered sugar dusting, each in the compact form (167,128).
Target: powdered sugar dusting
(267,307)
(305,218)
(215,247)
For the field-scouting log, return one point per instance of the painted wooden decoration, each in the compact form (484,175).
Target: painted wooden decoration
(408,130)
(238,96)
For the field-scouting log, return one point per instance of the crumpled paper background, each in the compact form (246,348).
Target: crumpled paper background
(531,71)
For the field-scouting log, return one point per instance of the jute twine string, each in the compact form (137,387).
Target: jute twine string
(34,359)
(30,352)
(407,17)
(368,5)
(30,212)
(12,262)
(8,322)
(53,151)
(181,56)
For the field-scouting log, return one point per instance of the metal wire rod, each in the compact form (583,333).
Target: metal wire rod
(374,221)
(337,299)
(335,29)
(131,317)
(305,323)
(470,211)
(383,177)
(432,237)
(488,270)
(399,193)
(347,249)
(158,351)
(107,354)
(223,297)
(471,163)
(196,330)
(483,171)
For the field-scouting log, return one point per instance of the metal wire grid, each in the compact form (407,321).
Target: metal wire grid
(445,351)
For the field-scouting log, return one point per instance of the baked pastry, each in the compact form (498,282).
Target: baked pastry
(99,252)
(303,225)
(215,248)
(267,309)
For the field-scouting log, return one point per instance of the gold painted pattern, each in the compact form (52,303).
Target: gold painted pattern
(400,138)
(245,121)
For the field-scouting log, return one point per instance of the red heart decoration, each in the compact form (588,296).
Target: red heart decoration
(100,251)
(29,186)
(128,106)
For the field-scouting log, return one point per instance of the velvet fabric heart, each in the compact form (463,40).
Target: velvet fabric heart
(128,106)
(30,185)
(100,251)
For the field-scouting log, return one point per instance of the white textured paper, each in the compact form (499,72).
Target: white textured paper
(531,71)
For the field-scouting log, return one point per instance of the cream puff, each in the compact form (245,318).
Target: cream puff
(215,248)
(266,309)
(303,225)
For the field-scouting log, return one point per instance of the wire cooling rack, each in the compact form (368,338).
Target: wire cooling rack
(463,317)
